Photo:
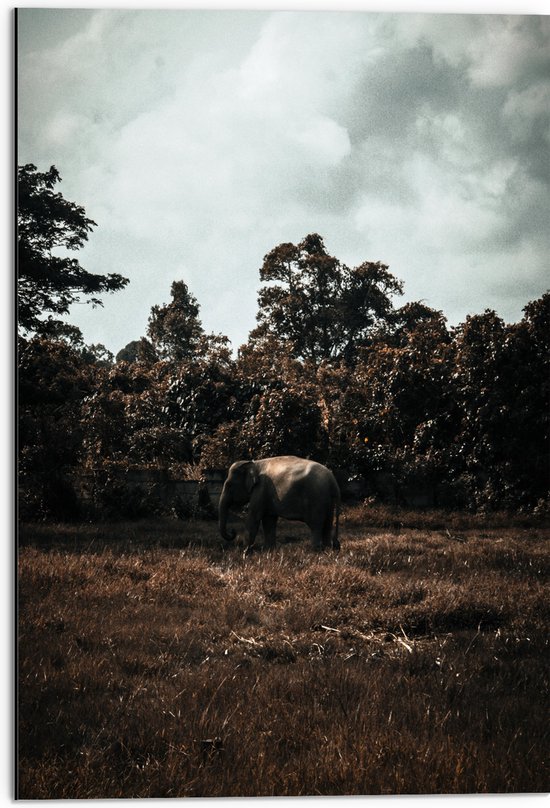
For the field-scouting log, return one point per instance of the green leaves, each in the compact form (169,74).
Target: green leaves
(48,282)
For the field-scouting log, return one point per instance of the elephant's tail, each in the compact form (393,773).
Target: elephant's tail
(335,541)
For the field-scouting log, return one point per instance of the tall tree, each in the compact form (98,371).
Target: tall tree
(175,329)
(320,307)
(48,281)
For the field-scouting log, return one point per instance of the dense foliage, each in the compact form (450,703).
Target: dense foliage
(319,307)
(419,413)
(47,281)
(175,329)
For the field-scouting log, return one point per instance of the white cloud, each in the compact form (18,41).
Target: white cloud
(524,108)
(450,213)
(324,141)
(449,134)
(198,141)
(303,60)
(63,128)
(508,48)
(493,181)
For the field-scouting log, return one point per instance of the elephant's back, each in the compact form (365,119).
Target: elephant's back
(291,472)
(291,467)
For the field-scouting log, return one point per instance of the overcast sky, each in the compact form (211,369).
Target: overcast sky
(199,140)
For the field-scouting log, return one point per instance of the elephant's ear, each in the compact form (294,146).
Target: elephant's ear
(252,476)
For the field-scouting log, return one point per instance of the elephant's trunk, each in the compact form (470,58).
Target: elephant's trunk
(223,510)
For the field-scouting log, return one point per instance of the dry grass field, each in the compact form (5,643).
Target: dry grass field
(154,662)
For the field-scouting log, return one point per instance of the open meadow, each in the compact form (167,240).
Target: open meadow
(156,662)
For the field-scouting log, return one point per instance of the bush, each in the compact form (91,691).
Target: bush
(113,498)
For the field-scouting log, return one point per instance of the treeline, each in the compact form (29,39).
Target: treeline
(333,371)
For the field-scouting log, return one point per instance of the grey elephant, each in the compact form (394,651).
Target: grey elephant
(287,486)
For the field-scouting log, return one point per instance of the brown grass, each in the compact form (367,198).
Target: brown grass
(155,662)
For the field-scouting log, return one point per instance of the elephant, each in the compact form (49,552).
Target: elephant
(287,486)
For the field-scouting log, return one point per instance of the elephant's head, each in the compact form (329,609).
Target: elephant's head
(236,491)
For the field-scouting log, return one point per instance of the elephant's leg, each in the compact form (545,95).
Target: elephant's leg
(269,525)
(327,531)
(321,532)
(252,525)
(330,532)
(317,535)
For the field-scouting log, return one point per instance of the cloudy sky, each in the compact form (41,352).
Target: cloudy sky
(199,140)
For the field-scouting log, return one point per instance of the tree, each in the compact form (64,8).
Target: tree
(175,329)
(403,321)
(54,381)
(98,354)
(275,408)
(199,395)
(502,388)
(396,402)
(138,350)
(48,281)
(318,306)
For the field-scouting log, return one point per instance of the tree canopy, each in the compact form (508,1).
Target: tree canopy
(333,371)
(320,307)
(48,225)
(175,329)
(176,333)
